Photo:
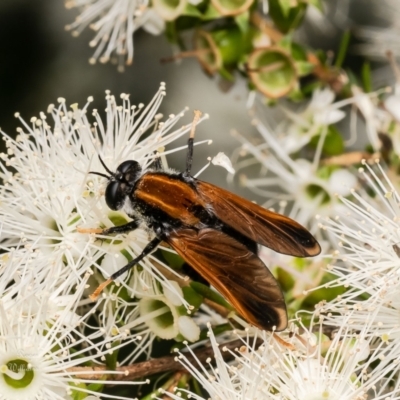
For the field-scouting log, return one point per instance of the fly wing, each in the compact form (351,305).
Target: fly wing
(270,229)
(237,273)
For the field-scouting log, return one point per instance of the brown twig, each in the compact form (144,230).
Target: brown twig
(157,365)
(351,158)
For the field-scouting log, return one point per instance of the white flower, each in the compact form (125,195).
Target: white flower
(375,117)
(369,266)
(115,22)
(311,188)
(308,366)
(368,234)
(296,132)
(390,116)
(164,315)
(51,192)
(224,161)
(40,345)
(392,103)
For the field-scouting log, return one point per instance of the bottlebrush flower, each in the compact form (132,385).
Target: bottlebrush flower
(307,366)
(114,23)
(49,192)
(43,340)
(311,188)
(368,264)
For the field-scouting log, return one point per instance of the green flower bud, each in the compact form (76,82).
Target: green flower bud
(272,71)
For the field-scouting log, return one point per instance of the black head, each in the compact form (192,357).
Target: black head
(120,182)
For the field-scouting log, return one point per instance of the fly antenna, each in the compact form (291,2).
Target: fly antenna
(105,166)
(99,173)
(189,157)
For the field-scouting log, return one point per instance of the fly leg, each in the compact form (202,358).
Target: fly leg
(189,157)
(147,250)
(130,226)
(157,161)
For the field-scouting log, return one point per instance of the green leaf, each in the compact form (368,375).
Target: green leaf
(111,359)
(304,67)
(226,74)
(313,190)
(326,171)
(286,18)
(211,13)
(366,77)
(285,279)
(296,94)
(96,387)
(74,220)
(192,297)
(298,52)
(286,43)
(171,32)
(117,218)
(328,293)
(173,260)
(192,11)
(333,144)
(285,5)
(242,21)
(77,394)
(211,294)
(308,88)
(196,387)
(344,45)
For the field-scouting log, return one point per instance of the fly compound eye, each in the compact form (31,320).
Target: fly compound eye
(115,195)
(130,170)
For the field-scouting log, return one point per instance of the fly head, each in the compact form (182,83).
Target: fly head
(120,183)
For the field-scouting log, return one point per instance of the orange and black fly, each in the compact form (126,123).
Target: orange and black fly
(215,231)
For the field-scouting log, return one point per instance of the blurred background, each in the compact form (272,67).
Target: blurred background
(41,61)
